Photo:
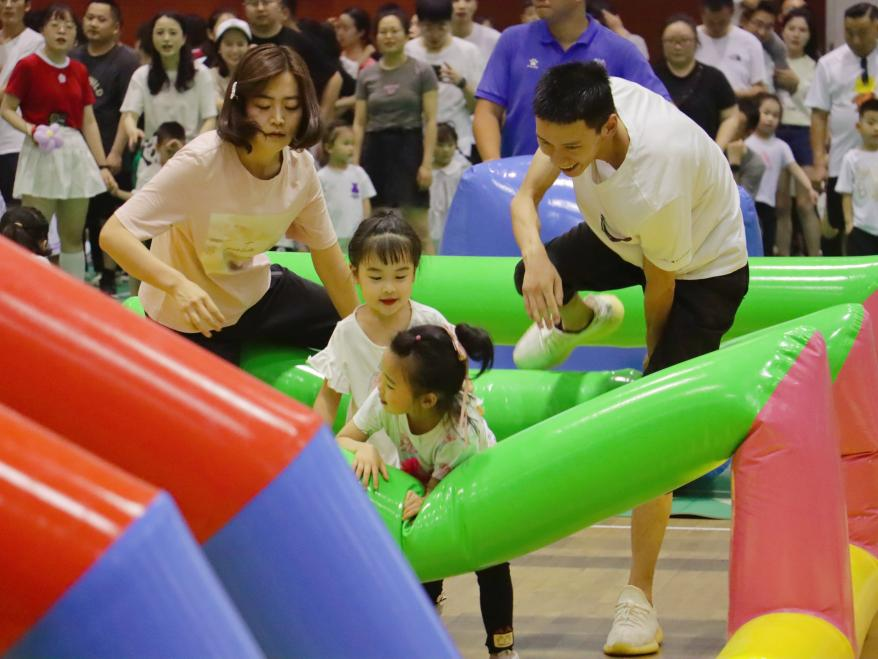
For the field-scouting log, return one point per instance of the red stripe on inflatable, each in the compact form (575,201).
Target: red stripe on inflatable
(789,542)
(140,396)
(854,389)
(60,509)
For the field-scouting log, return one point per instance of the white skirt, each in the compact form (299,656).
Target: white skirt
(66,173)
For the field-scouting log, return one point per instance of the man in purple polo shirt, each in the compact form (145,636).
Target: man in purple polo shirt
(564,34)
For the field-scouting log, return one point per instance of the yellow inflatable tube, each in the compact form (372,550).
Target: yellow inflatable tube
(788,636)
(803,636)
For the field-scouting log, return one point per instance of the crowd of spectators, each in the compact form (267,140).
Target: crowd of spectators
(393,88)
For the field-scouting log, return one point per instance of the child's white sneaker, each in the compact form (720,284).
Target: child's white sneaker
(541,348)
(635,629)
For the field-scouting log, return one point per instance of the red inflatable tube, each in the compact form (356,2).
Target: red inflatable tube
(139,396)
(789,543)
(61,509)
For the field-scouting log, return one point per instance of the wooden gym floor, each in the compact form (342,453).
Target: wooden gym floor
(565,593)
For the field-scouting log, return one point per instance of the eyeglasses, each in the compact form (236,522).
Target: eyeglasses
(610,235)
(256,3)
(57,25)
(682,41)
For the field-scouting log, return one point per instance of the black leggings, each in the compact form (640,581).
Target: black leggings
(768,224)
(294,311)
(703,309)
(495,599)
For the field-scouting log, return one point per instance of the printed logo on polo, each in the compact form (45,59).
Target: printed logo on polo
(533,63)
(355,190)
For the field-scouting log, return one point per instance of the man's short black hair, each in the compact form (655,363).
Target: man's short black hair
(717,5)
(578,91)
(433,11)
(115,11)
(862,9)
(869,105)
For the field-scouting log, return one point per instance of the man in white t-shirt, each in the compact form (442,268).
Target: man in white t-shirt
(16,43)
(660,213)
(463,26)
(735,52)
(458,65)
(843,78)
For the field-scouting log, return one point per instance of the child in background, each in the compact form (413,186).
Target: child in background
(449,164)
(777,156)
(384,252)
(346,187)
(858,185)
(170,138)
(423,403)
(27,227)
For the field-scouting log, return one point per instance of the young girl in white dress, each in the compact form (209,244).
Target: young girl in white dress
(62,162)
(384,252)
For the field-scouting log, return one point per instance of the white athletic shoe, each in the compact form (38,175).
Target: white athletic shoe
(635,629)
(504,654)
(542,349)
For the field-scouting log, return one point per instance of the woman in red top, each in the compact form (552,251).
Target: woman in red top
(51,89)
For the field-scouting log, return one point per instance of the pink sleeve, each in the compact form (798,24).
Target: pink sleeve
(163,201)
(312,226)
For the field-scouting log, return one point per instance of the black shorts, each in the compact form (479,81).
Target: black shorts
(391,158)
(294,311)
(702,312)
(862,243)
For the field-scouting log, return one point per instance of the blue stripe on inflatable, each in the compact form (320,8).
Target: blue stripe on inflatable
(151,594)
(586,358)
(315,574)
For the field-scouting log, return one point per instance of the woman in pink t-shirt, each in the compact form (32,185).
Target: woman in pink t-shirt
(221,202)
(62,162)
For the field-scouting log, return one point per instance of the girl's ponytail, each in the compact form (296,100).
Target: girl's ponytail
(478,345)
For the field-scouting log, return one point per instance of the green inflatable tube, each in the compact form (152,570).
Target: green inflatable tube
(514,400)
(611,453)
(781,289)
(480,291)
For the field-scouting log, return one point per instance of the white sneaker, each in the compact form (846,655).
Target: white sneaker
(542,349)
(505,654)
(635,626)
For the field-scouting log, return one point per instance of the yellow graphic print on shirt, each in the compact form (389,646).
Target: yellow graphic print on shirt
(234,239)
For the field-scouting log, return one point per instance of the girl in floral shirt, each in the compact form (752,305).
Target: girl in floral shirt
(425,405)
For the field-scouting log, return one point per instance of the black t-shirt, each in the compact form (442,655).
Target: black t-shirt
(702,95)
(320,64)
(109,75)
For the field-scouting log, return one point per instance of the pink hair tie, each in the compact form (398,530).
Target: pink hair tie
(417,337)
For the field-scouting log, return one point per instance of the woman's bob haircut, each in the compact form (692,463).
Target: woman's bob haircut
(256,68)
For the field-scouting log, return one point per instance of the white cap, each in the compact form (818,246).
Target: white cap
(233,24)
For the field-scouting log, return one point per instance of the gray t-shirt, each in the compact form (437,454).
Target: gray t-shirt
(394,98)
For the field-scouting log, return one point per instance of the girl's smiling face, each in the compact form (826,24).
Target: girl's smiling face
(232,47)
(386,287)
